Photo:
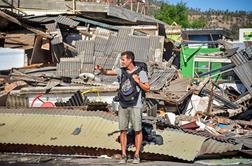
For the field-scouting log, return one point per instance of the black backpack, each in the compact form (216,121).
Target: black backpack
(142,66)
(128,94)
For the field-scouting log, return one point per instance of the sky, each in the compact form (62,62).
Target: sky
(203,5)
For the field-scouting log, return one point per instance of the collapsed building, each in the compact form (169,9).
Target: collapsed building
(53,101)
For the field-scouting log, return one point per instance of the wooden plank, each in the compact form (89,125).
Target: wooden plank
(13,7)
(201,85)
(37,53)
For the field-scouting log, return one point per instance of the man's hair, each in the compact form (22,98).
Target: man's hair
(129,55)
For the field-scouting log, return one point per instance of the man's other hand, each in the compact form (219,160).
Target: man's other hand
(136,78)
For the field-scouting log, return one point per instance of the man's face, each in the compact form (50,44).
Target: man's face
(125,62)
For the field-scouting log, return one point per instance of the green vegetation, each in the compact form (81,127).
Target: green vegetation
(178,13)
(194,18)
(199,23)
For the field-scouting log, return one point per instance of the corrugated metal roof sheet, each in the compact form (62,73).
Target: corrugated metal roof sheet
(249,51)
(140,46)
(85,45)
(156,48)
(178,144)
(60,111)
(101,32)
(110,44)
(87,68)
(125,32)
(51,27)
(100,44)
(239,58)
(110,60)
(85,50)
(55,128)
(100,58)
(66,21)
(55,32)
(14,101)
(244,72)
(160,77)
(212,146)
(120,44)
(69,67)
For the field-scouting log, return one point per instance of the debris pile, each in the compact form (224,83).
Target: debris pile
(57,71)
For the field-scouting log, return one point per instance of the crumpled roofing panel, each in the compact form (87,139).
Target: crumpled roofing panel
(56,130)
(160,77)
(55,127)
(177,144)
(211,146)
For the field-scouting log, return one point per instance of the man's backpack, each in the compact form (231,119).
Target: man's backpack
(142,66)
(128,94)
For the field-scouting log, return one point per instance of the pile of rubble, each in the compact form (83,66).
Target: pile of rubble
(60,75)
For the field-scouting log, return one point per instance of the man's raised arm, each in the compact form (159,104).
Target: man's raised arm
(105,72)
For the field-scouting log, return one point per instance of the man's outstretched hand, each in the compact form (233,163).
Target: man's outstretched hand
(98,67)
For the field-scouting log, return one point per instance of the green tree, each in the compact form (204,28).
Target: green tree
(170,13)
(199,23)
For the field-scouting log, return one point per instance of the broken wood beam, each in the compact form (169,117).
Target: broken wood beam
(28,27)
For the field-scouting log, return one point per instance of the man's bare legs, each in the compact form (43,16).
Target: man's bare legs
(138,141)
(123,140)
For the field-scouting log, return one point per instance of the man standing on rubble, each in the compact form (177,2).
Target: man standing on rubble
(133,83)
